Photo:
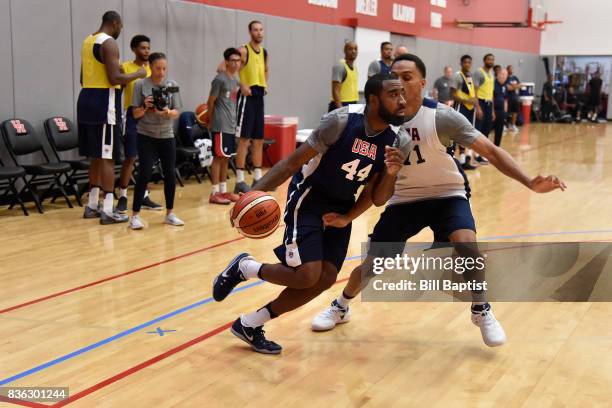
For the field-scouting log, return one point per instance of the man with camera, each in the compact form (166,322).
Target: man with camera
(156,103)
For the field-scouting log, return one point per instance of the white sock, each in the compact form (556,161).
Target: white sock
(239,175)
(249,268)
(146,194)
(94,197)
(342,301)
(108,204)
(255,319)
(223,187)
(257,173)
(215,189)
(123,192)
(462,158)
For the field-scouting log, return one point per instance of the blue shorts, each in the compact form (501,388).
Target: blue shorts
(305,239)
(400,222)
(130,135)
(470,115)
(99,141)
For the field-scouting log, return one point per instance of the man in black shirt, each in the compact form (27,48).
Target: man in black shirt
(572,104)
(548,99)
(594,96)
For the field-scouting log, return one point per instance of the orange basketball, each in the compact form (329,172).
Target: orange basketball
(255,215)
(201,114)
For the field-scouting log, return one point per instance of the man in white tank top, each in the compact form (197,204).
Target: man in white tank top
(432,191)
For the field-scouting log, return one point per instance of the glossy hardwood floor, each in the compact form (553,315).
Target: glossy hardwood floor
(81,304)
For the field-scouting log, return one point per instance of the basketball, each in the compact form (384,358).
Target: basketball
(201,113)
(255,215)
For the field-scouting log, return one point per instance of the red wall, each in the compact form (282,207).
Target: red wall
(518,39)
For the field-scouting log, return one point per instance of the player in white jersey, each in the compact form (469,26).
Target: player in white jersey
(432,191)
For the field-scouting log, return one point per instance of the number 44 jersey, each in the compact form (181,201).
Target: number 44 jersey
(350,153)
(429,172)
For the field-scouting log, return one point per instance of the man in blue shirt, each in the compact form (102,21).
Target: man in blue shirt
(513,84)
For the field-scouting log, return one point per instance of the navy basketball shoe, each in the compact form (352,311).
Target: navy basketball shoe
(227,280)
(254,336)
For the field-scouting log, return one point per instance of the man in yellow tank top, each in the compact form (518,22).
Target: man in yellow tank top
(99,113)
(484,83)
(464,94)
(250,119)
(345,79)
(141,47)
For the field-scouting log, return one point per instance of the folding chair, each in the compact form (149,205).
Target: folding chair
(63,138)
(8,177)
(21,139)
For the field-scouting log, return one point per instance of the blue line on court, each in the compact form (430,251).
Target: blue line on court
(117,336)
(210,299)
(160,331)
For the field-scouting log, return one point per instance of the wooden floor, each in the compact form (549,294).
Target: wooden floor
(77,301)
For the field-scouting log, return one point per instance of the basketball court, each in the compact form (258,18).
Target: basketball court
(126,318)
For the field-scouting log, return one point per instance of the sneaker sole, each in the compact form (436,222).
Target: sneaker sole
(262,351)
(174,225)
(331,328)
(146,207)
(222,272)
(112,222)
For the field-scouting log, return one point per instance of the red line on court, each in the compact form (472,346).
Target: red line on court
(23,403)
(142,268)
(147,363)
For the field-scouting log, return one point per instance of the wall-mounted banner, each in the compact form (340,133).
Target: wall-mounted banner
(404,13)
(367,7)
(324,3)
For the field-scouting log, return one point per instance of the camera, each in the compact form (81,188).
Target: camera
(161,96)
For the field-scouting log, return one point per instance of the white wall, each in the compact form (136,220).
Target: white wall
(585,29)
(368,42)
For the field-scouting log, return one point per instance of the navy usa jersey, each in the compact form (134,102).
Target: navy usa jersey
(349,154)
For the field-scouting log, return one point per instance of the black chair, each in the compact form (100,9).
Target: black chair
(8,177)
(63,138)
(186,153)
(21,139)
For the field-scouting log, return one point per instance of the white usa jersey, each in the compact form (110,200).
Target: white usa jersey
(430,172)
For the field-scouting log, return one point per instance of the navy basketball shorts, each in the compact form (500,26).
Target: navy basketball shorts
(224,144)
(130,134)
(400,222)
(99,141)
(305,239)
(469,114)
(250,115)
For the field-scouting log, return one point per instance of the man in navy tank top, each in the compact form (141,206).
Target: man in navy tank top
(353,146)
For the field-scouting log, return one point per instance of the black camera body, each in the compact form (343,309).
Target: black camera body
(161,96)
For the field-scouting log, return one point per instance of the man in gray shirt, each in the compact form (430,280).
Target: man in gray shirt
(382,65)
(345,79)
(431,191)
(442,86)
(222,119)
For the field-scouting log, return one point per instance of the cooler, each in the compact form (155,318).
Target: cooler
(526,97)
(282,130)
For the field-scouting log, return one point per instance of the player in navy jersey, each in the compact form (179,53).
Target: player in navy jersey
(352,146)
(432,191)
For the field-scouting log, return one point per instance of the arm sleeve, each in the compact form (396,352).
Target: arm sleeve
(478,78)
(331,127)
(215,87)
(338,73)
(374,68)
(456,83)
(137,97)
(452,125)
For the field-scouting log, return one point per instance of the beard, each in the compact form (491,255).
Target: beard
(390,118)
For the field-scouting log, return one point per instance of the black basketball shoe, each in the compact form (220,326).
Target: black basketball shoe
(255,338)
(227,280)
